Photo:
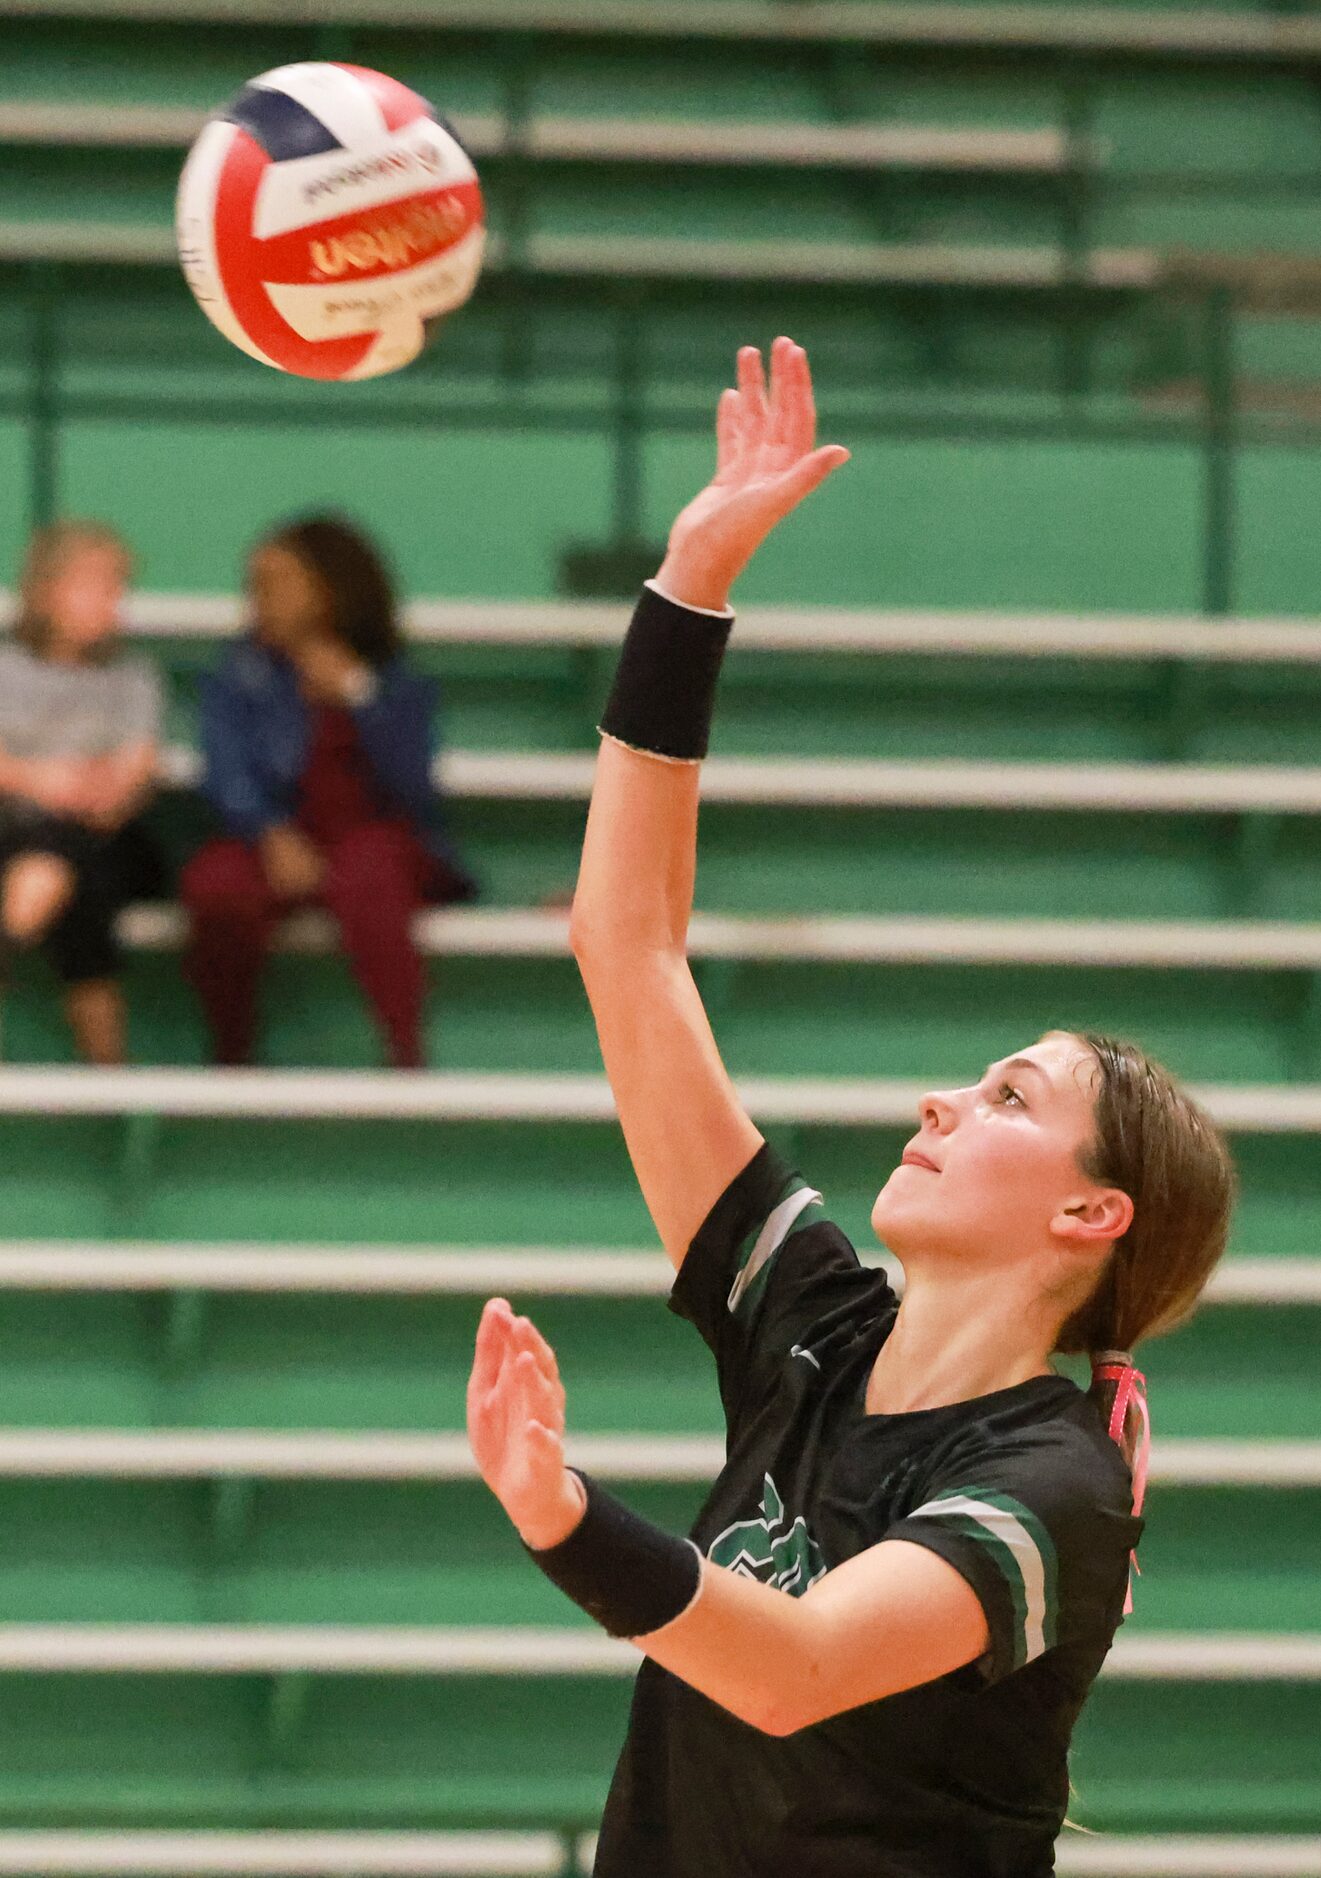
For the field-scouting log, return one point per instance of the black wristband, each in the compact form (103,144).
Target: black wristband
(665,686)
(624,1572)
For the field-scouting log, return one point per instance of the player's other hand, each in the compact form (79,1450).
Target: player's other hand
(767,461)
(516,1427)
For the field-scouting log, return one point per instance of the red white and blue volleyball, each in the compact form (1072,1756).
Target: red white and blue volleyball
(327,219)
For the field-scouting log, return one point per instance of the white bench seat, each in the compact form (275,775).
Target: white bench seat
(460,1095)
(322,1454)
(280,1854)
(463,1271)
(900,939)
(151,244)
(938,632)
(1207,32)
(76,123)
(343,1650)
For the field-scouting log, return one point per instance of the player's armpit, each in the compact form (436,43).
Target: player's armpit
(895,1616)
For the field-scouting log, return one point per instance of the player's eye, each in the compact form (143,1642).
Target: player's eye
(1008,1093)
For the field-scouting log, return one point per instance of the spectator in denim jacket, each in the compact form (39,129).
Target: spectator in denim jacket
(318,746)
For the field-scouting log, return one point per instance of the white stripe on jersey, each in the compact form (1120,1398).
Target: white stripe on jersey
(770,1239)
(1013,1535)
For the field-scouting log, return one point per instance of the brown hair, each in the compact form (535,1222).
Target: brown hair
(49,551)
(1162,1149)
(363,604)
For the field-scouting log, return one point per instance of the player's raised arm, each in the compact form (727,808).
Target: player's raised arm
(687,1133)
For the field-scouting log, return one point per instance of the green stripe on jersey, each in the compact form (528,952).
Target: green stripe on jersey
(787,1216)
(1023,1553)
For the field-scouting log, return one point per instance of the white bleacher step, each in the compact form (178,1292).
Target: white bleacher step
(842,263)
(1143,637)
(277,1854)
(471,1096)
(299,1454)
(1192,1855)
(591,257)
(466,1271)
(834,782)
(78,124)
(476,1650)
(796,145)
(124,244)
(1208,31)
(463,1271)
(257,1854)
(861,783)
(315,1454)
(901,939)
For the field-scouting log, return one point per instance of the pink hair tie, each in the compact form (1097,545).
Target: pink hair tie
(1117,1366)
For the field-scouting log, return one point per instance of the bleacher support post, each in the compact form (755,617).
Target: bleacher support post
(1218,380)
(42,398)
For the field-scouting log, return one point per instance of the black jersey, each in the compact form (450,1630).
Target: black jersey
(1021,1490)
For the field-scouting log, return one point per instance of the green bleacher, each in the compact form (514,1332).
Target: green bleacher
(983,765)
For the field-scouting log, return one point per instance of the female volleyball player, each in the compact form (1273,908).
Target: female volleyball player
(869,1657)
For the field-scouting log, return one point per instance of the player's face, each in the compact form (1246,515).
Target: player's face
(288,601)
(81,600)
(994,1163)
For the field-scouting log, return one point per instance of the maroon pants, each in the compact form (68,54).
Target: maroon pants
(373,886)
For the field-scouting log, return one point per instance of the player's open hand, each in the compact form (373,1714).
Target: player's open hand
(516,1427)
(767,461)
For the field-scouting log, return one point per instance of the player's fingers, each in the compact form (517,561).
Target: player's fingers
(546,1446)
(808,473)
(530,1339)
(542,1392)
(800,404)
(533,1340)
(492,1337)
(729,432)
(782,379)
(533,1397)
(754,407)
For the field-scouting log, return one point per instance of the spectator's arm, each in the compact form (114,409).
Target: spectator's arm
(56,784)
(122,784)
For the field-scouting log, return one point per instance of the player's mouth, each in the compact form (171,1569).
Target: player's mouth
(913,1157)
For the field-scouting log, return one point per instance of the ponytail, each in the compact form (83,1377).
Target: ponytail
(1119,1390)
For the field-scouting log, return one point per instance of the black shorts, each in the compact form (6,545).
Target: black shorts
(110,870)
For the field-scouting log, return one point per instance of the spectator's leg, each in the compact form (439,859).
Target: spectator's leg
(81,947)
(97,1017)
(373,888)
(231,914)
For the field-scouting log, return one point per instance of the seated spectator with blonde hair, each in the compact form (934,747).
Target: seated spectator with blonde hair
(79,727)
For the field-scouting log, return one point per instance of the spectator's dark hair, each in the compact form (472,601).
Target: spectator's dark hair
(364,605)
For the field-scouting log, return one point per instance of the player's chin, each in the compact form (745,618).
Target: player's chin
(896,1217)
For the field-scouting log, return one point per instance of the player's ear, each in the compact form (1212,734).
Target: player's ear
(1101,1215)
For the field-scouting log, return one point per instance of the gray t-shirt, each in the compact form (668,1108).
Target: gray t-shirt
(48,709)
(52,710)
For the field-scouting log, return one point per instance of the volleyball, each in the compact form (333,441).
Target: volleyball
(326,219)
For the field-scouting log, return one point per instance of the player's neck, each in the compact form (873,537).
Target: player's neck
(958,1335)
